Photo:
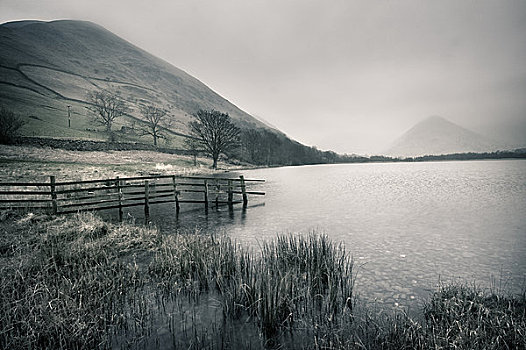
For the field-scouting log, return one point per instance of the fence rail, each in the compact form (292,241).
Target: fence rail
(118,193)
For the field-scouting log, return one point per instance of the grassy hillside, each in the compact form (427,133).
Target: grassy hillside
(46,66)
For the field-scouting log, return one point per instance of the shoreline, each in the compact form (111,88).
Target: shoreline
(128,160)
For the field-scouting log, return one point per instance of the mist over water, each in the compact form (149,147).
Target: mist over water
(407,225)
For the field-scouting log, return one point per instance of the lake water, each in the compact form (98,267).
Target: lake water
(407,225)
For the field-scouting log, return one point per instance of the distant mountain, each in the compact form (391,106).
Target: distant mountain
(436,135)
(47,66)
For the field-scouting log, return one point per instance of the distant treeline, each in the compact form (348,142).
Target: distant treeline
(262,147)
(518,153)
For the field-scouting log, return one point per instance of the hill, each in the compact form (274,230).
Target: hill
(435,136)
(47,66)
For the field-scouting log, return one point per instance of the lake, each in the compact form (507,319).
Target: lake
(407,225)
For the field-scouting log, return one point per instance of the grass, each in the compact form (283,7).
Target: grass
(28,163)
(60,288)
(456,317)
(489,321)
(75,282)
(292,284)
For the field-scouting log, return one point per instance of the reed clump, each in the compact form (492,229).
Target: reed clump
(289,286)
(456,316)
(465,317)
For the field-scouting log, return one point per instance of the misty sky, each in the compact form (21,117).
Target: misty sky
(350,76)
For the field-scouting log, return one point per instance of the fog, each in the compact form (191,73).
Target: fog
(349,76)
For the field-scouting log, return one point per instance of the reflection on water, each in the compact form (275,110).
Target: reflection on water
(407,224)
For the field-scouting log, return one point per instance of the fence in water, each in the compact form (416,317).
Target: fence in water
(119,193)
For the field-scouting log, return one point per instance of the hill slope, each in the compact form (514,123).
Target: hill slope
(436,135)
(46,66)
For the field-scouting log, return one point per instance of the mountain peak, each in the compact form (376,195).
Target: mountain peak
(436,135)
(435,118)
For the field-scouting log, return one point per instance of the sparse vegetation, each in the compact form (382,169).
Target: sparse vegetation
(78,282)
(10,124)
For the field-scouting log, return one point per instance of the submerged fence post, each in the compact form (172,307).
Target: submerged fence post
(119,192)
(146,201)
(206,195)
(53,195)
(230,193)
(177,207)
(244,190)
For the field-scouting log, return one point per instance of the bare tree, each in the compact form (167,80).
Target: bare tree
(107,107)
(155,120)
(10,124)
(215,133)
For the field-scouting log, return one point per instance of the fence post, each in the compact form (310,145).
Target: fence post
(119,192)
(177,207)
(244,190)
(230,194)
(206,195)
(146,201)
(53,195)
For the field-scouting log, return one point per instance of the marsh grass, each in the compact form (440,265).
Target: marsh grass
(62,284)
(457,316)
(463,316)
(294,283)
(77,282)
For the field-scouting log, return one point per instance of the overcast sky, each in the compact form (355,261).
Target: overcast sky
(350,76)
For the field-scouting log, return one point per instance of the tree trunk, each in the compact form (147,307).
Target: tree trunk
(214,166)
(111,137)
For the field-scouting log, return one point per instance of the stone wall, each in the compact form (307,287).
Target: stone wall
(90,145)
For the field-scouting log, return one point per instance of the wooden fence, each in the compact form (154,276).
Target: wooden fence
(118,193)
